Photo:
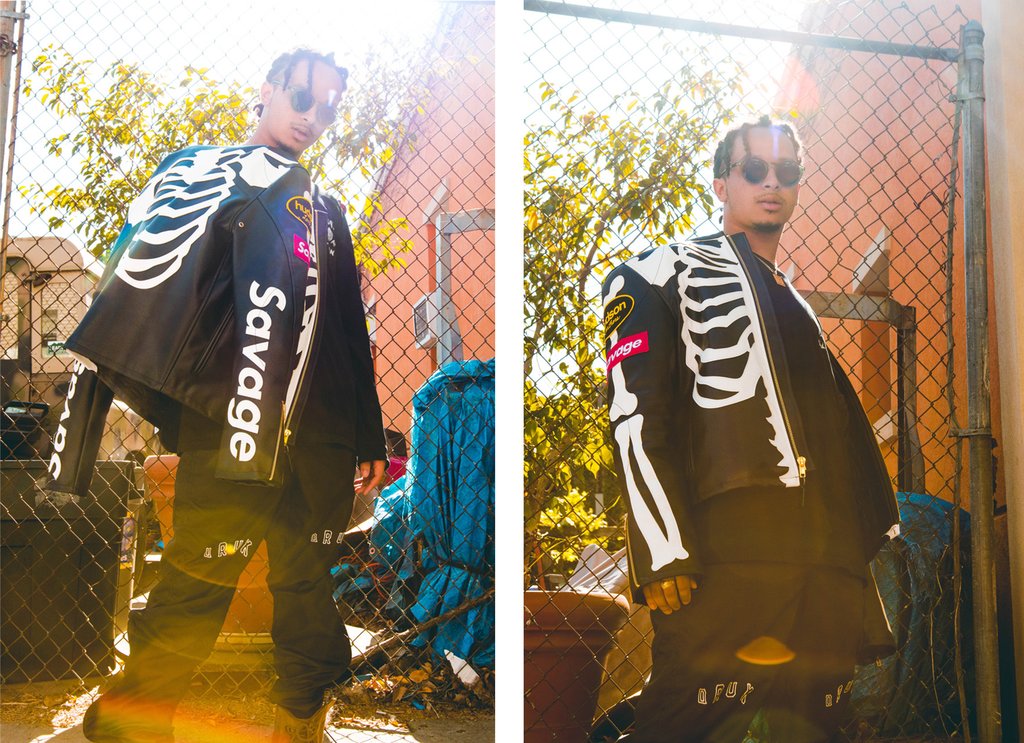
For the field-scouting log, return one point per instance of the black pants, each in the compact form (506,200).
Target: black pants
(755,635)
(217,527)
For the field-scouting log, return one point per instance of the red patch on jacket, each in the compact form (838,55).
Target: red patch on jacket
(632,345)
(301,248)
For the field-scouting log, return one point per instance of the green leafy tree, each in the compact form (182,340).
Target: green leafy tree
(565,526)
(600,185)
(117,130)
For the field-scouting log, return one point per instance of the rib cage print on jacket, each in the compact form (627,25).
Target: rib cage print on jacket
(177,204)
(688,365)
(721,334)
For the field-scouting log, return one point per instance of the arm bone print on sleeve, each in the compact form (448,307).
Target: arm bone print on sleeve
(665,546)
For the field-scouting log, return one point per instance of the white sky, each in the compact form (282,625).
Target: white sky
(601,60)
(235,40)
(604,59)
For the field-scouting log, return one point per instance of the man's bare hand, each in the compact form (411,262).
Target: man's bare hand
(670,594)
(372,474)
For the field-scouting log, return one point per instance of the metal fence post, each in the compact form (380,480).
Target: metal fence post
(978,394)
(8,49)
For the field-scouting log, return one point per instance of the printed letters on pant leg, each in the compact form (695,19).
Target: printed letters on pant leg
(186,609)
(311,647)
(696,696)
(808,708)
(812,700)
(699,689)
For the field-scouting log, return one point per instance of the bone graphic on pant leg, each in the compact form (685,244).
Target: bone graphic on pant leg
(746,693)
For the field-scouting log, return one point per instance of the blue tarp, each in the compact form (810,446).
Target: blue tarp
(390,535)
(445,502)
(450,484)
(389,540)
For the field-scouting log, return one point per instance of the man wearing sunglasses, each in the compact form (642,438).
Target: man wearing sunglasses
(755,489)
(230,315)
(298,101)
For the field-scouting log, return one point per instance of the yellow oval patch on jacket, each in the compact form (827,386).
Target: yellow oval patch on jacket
(616,312)
(300,208)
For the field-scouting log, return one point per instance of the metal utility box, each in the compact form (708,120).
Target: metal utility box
(60,572)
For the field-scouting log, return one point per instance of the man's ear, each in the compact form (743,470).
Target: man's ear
(266,89)
(720,189)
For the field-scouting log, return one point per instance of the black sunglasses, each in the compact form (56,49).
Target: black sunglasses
(302,99)
(755,170)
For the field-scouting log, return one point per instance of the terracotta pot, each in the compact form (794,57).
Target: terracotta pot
(252,609)
(566,637)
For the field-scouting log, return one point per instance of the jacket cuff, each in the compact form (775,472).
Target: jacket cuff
(370,453)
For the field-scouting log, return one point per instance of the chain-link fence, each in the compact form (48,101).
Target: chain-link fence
(628,103)
(100,94)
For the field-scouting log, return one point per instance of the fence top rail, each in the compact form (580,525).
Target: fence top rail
(847,43)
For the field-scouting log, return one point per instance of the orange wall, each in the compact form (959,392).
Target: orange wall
(877,134)
(454,143)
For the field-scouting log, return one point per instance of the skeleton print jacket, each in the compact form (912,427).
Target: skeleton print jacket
(700,402)
(230,275)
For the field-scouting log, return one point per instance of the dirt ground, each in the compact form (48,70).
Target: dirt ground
(53,710)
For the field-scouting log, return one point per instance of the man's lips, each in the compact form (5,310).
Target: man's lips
(302,131)
(770,203)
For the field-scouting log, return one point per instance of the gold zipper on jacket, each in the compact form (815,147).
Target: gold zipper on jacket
(277,445)
(801,462)
(316,315)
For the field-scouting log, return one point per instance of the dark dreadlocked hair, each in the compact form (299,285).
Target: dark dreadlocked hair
(723,153)
(282,68)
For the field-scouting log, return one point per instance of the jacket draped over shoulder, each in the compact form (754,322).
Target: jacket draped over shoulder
(212,299)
